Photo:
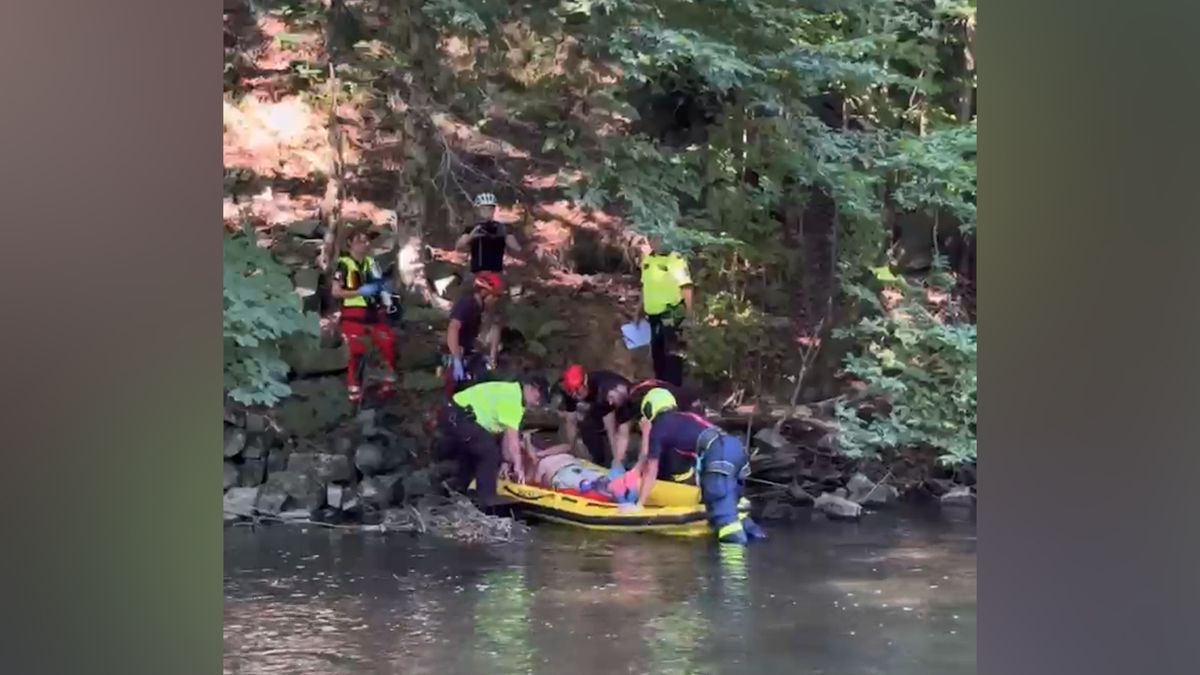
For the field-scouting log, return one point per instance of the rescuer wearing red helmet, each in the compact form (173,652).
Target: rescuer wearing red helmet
(463,365)
(591,404)
(610,404)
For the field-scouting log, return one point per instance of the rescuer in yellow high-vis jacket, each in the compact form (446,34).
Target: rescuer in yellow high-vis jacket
(667,293)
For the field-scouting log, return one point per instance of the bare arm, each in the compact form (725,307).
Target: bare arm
(462,242)
(621,445)
(571,425)
(513,245)
(649,475)
(644,452)
(510,446)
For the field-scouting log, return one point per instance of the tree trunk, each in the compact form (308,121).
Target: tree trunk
(331,202)
(966,96)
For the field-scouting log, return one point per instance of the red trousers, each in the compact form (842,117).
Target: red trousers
(359,336)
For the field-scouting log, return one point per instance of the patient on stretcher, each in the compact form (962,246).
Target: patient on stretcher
(557,469)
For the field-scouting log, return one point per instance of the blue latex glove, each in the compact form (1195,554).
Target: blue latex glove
(616,472)
(459,372)
(368,290)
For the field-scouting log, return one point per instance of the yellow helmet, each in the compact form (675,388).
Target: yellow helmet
(656,401)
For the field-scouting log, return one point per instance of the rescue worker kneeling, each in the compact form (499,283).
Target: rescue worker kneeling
(481,425)
(671,439)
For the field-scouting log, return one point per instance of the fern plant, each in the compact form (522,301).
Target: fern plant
(261,310)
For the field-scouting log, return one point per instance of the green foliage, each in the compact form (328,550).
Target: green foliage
(922,364)
(262,309)
(936,173)
(849,98)
(539,332)
(732,341)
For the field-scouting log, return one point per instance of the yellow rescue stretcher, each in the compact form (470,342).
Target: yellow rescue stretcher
(672,509)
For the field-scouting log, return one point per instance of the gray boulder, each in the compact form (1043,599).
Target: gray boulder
(293,515)
(316,405)
(306,229)
(938,486)
(417,484)
(235,440)
(240,501)
(230,472)
(335,494)
(340,444)
(960,496)
(270,500)
(769,440)
(858,486)
(256,423)
(365,419)
(252,472)
(373,459)
(306,281)
(256,447)
(303,491)
(381,491)
(319,361)
(778,510)
(277,459)
(325,467)
(798,495)
(863,491)
(883,494)
(837,507)
(343,497)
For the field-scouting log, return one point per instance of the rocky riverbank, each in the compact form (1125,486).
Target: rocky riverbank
(310,461)
(354,471)
(795,475)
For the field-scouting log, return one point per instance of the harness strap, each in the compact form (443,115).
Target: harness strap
(719,466)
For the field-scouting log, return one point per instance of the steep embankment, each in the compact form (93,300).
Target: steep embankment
(300,163)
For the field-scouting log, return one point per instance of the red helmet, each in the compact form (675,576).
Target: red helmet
(574,379)
(490,282)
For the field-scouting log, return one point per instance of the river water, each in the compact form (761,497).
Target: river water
(892,594)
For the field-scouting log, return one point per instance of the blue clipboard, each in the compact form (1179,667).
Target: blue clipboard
(636,334)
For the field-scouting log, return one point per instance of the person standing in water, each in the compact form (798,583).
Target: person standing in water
(672,439)
(487,240)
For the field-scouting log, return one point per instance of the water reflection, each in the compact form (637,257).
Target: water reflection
(897,596)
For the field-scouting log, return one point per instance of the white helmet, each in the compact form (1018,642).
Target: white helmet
(485,199)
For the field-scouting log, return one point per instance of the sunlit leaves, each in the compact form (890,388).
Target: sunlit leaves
(261,309)
(924,367)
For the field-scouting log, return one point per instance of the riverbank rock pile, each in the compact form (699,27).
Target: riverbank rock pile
(356,471)
(798,475)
